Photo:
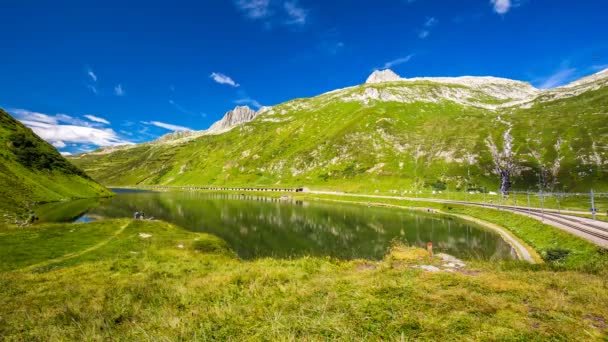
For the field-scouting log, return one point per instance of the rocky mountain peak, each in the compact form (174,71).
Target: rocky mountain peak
(237,116)
(380,76)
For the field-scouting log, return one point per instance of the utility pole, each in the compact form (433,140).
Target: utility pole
(529,208)
(484,196)
(514,199)
(593,209)
(542,204)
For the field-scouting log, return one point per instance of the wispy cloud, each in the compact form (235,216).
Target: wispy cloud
(558,78)
(92,74)
(92,88)
(167,126)
(62,129)
(254,9)
(223,79)
(295,13)
(93,85)
(503,6)
(97,119)
(270,12)
(249,101)
(430,22)
(422,34)
(395,62)
(425,31)
(119,91)
(184,110)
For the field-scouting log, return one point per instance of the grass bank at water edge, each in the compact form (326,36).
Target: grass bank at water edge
(142,280)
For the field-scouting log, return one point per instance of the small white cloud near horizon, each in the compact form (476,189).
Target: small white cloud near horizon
(97,119)
(223,79)
(167,126)
(395,62)
(297,15)
(559,78)
(501,6)
(249,101)
(119,91)
(254,9)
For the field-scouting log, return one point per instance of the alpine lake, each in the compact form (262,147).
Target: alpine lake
(260,227)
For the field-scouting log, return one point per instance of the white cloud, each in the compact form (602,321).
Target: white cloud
(57,134)
(223,79)
(65,153)
(501,6)
(33,116)
(424,32)
(249,101)
(167,126)
(558,78)
(97,119)
(62,129)
(297,15)
(92,75)
(119,91)
(59,144)
(396,62)
(254,9)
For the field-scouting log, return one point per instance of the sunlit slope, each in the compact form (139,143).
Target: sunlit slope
(401,136)
(32,171)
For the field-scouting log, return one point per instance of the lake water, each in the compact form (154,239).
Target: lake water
(262,227)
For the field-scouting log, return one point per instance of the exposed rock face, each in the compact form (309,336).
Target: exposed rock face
(237,116)
(176,135)
(380,76)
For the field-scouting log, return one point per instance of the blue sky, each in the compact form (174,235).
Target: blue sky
(85,74)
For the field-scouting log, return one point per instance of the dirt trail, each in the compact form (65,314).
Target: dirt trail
(75,254)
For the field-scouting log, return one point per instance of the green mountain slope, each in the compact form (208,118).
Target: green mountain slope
(32,171)
(400,135)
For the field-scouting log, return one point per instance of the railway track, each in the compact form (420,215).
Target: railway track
(571,222)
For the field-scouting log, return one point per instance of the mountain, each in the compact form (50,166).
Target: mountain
(233,118)
(32,171)
(393,134)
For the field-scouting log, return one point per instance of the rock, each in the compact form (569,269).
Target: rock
(235,117)
(144,235)
(380,76)
(180,246)
(428,268)
(451,262)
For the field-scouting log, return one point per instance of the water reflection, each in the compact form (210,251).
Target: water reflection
(264,227)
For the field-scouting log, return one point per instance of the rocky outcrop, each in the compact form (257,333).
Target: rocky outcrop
(380,76)
(177,135)
(235,117)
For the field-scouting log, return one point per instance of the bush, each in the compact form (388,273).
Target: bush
(555,254)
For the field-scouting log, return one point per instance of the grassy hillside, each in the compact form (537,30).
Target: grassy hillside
(32,171)
(404,136)
(142,280)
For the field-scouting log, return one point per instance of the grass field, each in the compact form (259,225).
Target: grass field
(144,280)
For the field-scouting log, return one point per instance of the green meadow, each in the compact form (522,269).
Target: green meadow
(150,280)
